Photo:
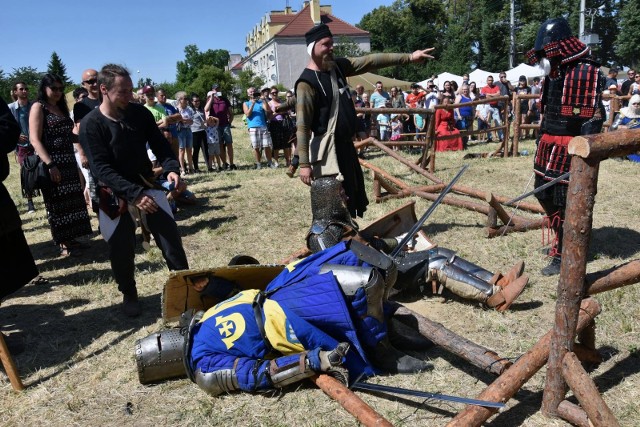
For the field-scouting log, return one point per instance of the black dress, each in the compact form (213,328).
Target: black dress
(65,204)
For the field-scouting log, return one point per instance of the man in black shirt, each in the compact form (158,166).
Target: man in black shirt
(114,137)
(81,109)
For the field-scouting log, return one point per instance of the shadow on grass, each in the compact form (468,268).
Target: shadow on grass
(54,339)
(211,224)
(614,242)
(434,228)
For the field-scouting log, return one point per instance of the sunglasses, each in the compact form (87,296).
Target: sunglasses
(274,93)
(56,88)
(90,81)
(635,103)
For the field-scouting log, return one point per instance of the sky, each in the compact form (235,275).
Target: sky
(148,37)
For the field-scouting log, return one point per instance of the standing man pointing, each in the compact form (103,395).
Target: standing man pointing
(326,122)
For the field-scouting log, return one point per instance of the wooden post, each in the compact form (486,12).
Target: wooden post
(516,123)
(492,218)
(10,366)
(350,401)
(384,174)
(453,201)
(406,162)
(574,414)
(571,289)
(508,384)
(428,138)
(502,214)
(586,392)
(604,145)
(517,225)
(477,355)
(616,277)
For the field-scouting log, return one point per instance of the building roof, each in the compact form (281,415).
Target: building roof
(301,23)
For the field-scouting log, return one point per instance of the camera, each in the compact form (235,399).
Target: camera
(256,95)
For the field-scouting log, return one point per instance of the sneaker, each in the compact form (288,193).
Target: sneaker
(257,166)
(131,305)
(225,166)
(274,165)
(233,167)
(210,169)
(30,208)
(183,174)
(553,268)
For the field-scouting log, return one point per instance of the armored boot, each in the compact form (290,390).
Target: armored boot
(503,280)
(471,287)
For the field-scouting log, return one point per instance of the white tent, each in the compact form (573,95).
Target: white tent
(523,70)
(441,78)
(480,77)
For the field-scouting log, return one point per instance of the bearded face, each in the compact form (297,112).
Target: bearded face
(328,61)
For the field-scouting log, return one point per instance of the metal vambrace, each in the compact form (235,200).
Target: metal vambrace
(295,368)
(352,278)
(217,382)
(464,284)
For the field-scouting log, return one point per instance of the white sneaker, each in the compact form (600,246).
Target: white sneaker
(274,164)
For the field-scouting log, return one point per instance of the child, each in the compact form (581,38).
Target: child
(396,128)
(213,143)
(419,122)
(383,124)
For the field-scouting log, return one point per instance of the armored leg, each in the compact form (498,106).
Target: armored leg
(463,284)
(331,218)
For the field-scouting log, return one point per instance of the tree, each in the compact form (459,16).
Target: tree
(187,70)
(627,41)
(346,47)
(56,67)
(245,80)
(207,75)
(29,75)
(405,26)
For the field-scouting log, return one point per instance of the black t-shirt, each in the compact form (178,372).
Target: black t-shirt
(84,107)
(117,150)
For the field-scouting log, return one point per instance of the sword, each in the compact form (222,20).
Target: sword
(437,396)
(539,189)
(426,215)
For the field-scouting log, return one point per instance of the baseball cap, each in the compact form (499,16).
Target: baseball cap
(215,86)
(612,86)
(148,89)
(483,95)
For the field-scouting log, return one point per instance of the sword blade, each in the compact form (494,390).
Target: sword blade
(426,215)
(539,189)
(437,396)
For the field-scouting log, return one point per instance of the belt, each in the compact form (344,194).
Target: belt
(257,311)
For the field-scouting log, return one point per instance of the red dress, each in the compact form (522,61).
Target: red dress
(444,127)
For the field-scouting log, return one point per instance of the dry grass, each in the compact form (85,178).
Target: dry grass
(79,366)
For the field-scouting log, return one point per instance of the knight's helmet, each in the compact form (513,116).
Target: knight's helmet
(161,356)
(555,39)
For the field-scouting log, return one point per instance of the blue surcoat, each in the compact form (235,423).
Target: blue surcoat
(303,310)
